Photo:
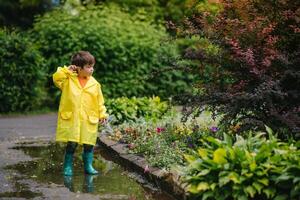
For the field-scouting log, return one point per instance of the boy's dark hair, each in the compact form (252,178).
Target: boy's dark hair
(82,58)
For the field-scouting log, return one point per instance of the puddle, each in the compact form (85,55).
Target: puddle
(21,194)
(111,183)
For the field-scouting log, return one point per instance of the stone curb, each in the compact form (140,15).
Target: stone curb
(166,181)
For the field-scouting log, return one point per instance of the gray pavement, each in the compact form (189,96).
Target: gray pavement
(19,127)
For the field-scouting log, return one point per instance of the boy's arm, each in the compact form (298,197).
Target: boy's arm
(102,109)
(60,76)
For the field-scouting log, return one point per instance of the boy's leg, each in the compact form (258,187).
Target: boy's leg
(68,161)
(88,156)
(71,147)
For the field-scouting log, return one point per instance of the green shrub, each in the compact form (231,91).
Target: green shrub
(21,74)
(253,168)
(130,109)
(127,49)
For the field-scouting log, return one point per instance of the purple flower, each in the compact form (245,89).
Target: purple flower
(190,145)
(214,129)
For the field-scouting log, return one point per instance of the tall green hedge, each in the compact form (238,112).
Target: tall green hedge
(126,48)
(21,74)
(131,109)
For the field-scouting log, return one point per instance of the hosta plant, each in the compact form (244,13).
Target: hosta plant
(256,167)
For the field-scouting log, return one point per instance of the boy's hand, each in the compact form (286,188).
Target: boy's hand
(73,68)
(103,121)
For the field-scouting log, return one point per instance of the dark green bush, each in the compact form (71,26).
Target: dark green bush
(21,74)
(127,50)
(130,109)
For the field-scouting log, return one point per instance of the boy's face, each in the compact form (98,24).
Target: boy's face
(87,70)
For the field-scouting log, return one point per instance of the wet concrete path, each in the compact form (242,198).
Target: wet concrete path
(29,168)
(20,127)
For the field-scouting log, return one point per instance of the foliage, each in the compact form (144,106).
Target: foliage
(130,109)
(127,50)
(158,11)
(149,141)
(150,9)
(255,76)
(157,151)
(251,168)
(21,74)
(20,13)
(163,142)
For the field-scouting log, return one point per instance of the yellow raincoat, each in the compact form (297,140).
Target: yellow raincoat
(80,108)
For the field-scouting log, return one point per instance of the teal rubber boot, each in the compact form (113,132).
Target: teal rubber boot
(88,183)
(68,164)
(68,182)
(87,158)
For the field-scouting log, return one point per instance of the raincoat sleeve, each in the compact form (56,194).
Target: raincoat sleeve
(102,109)
(60,76)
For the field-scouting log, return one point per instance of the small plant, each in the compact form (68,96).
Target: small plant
(157,151)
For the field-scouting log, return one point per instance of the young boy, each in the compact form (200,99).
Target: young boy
(81,108)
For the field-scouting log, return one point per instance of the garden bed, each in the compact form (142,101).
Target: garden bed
(166,181)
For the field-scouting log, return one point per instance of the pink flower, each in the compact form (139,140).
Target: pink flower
(146,169)
(160,129)
(131,146)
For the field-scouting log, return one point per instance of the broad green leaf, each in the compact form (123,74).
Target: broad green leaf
(269,130)
(258,186)
(189,158)
(203,172)
(234,177)
(223,180)
(232,154)
(242,197)
(213,140)
(250,190)
(207,195)
(248,175)
(202,186)
(283,177)
(192,189)
(270,192)
(213,186)
(296,179)
(253,165)
(264,181)
(227,139)
(219,156)
(202,153)
(281,197)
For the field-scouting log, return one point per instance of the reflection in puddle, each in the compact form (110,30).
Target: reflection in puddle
(111,183)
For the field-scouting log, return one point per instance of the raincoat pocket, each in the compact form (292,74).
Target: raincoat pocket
(65,121)
(93,124)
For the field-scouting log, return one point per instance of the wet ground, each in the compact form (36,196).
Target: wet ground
(31,166)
